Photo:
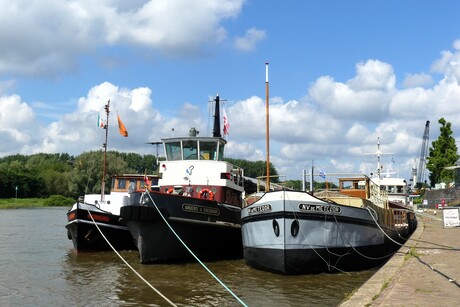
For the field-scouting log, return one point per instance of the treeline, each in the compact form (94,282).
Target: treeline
(42,175)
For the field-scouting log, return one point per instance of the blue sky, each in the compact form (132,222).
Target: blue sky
(342,74)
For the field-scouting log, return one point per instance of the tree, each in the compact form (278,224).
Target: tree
(254,169)
(88,168)
(442,153)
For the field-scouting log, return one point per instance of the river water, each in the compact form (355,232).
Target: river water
(38,267)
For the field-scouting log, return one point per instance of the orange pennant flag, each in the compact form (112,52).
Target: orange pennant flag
(121,127)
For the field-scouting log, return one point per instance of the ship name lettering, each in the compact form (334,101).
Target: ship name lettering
(320,208)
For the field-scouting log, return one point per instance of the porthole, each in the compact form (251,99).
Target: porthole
(276,228)
(295,228)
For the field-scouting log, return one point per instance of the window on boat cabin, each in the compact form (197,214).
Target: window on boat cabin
(121,184)
(221,151)
(208,150)
(173,151)
(133,182)
(399,189)
(190,149)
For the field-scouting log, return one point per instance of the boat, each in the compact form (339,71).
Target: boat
(195,211)
(395,187)
(94,219)
(294,232)
(90,210)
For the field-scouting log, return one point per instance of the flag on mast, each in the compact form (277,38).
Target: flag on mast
(121,127)
(100,122)
(226,123)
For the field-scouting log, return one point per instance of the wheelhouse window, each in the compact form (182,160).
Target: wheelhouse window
(190,149)
(173,151)
(221,151)
(208,150)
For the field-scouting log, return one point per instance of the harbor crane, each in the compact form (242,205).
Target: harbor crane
(423,154)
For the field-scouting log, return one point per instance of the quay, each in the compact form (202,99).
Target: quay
(424,272)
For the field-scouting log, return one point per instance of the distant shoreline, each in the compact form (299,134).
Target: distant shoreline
(52,201)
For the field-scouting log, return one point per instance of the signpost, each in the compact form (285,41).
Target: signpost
(450,216)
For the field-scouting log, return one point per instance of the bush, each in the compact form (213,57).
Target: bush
(58,201)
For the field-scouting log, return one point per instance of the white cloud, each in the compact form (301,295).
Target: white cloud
(249,41)
(335,125)
(373,75)
(16,118)
(14,113)
(417,80)
(366,96)
(49,36)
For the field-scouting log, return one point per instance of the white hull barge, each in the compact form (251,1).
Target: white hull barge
(292,232)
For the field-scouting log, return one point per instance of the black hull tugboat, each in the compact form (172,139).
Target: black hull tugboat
(196,207)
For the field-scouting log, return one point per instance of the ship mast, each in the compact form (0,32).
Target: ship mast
(267,125)
(379,175)
(106,127)
(216,127)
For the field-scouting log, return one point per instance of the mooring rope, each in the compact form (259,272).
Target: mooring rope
(451,280)
(383,231)
(328,264)
(357,251)
(197,259)
(132,269)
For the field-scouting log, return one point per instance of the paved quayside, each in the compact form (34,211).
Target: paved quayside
(431,279)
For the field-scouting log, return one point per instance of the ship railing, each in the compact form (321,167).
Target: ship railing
(399,218)
(377,196)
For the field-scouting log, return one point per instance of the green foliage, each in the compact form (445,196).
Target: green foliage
(58,201)
(138,164)
(41,175)
(89,168)
(255,169)
(442,153)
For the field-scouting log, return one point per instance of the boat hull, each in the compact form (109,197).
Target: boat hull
(211,231)
(299,234)
(87,238)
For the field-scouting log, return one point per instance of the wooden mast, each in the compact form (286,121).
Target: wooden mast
(267,125)
(106,127)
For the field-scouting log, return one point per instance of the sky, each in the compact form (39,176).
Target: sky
(342,75)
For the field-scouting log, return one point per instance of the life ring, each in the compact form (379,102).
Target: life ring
(170,191)
(206,194)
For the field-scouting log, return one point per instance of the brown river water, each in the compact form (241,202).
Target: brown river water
(38,267)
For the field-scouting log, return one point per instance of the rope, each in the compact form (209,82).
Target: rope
(197,259)
(451,280)
(358,252)
(328,264)
(383,231)
(132,269)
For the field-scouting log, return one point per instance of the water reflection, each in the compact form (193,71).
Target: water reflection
(38,266)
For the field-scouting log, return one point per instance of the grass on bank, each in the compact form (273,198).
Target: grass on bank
(52,201)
